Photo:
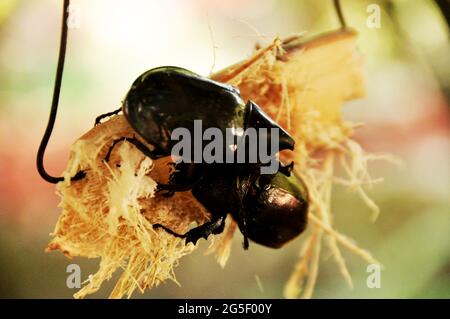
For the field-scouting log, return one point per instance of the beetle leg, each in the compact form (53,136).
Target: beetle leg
(168,230)
(172,188)
(139,145)
(214,226)
(244,186)
(286,169)
(242,223)
(101,117)
(184,178)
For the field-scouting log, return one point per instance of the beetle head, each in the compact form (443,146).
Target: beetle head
(257,118)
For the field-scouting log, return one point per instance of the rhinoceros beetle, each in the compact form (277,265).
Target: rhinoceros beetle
(270,209)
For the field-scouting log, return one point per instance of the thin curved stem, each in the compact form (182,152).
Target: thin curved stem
(337,7)
(55,100)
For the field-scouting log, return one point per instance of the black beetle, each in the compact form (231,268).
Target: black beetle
(270,209)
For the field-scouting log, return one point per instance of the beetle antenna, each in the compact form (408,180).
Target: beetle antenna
(337,7)
(55,100)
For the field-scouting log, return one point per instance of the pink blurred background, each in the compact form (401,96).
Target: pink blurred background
(406,113)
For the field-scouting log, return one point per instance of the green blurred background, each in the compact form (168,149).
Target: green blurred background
(407,62)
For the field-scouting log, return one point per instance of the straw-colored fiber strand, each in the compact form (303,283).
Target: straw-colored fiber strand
(221,245)
(345,241)
(324,212)
(292,288)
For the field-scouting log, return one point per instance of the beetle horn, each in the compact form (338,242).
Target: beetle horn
(257,118)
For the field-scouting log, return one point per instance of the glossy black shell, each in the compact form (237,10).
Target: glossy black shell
(166,98)
(277,208)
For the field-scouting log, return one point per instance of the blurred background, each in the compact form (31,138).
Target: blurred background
(406,111)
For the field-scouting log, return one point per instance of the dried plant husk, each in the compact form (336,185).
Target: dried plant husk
(109,214)
(299,83)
